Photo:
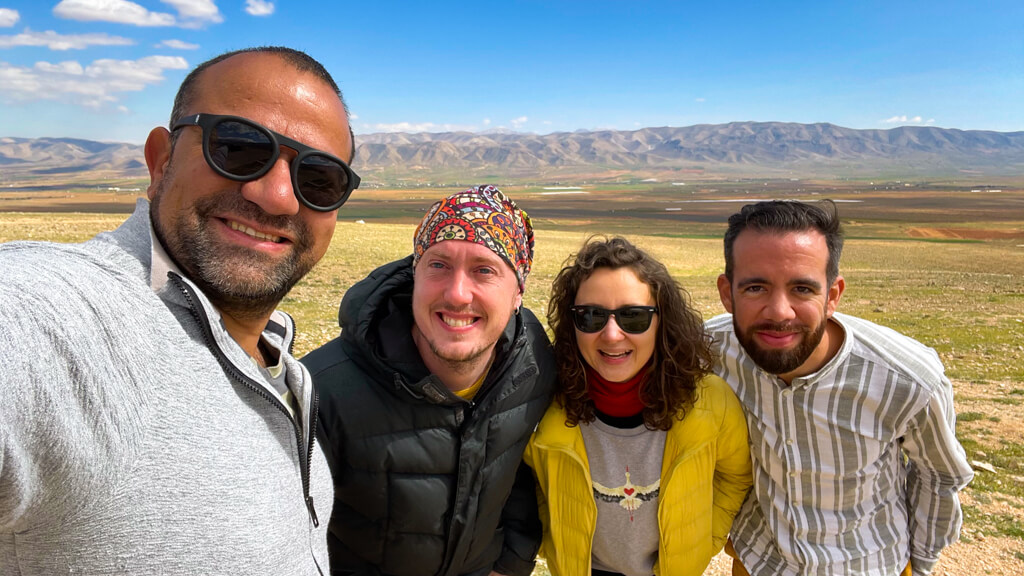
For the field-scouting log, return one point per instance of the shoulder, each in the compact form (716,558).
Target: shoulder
(714,395)
(534,328)
(537,337)
(62,291)
(553,429)
(898,352)
(720,328)
(24,262)
(720,323)
(330,363)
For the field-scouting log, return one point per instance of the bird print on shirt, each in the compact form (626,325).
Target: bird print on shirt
(629,495)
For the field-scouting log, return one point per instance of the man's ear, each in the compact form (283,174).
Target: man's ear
(725,292)
(518,302)
(158,155)
(835,292)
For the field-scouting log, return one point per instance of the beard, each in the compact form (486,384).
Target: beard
(461,363)
(241,282)
(780,361)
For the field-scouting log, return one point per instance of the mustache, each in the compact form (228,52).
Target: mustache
(785,327)
(469,310)
(236,205)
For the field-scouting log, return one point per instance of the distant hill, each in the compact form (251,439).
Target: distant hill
(764,148)
(41,156)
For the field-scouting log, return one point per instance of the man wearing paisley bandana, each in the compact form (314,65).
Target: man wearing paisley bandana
(429,396)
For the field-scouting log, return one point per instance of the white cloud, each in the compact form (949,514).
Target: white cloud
(8,17)
(55,41)
(353,116)
(196,12)
(191,13)
(177,45)
(120,11)
(698,99)
(415,127)
(92,86)
(259,7)
(518,122)
(487,121)
(547,122)
(904,119)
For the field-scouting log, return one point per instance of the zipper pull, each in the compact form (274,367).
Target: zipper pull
(312,511)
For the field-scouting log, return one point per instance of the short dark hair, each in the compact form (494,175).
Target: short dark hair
(298,59)
(682,350)
(778,216)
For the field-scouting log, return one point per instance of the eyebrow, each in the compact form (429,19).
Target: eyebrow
(794,282)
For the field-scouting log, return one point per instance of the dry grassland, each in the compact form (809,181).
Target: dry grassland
(946,273)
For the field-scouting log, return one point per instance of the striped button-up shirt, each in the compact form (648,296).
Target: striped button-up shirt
(856,467)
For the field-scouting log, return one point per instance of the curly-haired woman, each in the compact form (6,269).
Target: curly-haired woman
(642,460)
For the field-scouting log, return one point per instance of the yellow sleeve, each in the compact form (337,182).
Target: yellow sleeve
(732,467)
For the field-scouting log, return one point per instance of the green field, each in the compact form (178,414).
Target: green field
(945,267)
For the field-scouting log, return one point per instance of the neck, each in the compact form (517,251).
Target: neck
(618,399)
(247,332)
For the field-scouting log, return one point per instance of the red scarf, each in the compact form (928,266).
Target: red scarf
(617,399)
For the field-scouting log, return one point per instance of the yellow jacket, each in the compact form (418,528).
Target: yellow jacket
(705,475)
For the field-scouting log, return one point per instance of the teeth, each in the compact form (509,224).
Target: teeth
(456,323)
(618,355)
(258,235)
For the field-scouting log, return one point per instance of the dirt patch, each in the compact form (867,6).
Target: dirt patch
(964,234)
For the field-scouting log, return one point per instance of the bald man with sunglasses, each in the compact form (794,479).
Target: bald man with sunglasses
(153,419)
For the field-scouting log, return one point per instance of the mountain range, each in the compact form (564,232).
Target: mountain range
(763,148)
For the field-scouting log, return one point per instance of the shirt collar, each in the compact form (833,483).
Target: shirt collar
(161,263)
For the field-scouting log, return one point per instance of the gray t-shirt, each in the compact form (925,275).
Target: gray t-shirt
(625,467)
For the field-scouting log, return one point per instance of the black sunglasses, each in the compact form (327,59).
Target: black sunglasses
(240,149)
(632,319)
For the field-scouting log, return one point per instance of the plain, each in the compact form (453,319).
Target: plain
(941,264)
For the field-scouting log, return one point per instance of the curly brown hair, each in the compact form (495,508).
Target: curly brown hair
(682,352)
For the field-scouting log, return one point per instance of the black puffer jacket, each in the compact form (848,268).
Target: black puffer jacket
(425,482)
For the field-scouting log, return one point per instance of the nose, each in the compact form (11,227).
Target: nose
(273,192)
(460,290)
(611,331)
(778,307)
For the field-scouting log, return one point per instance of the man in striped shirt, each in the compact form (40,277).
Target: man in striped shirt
(856,464)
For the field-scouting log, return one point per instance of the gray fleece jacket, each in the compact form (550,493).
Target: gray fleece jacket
(136,437)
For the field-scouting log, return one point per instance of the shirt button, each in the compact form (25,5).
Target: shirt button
(794,474)
(786,393)
(789,442)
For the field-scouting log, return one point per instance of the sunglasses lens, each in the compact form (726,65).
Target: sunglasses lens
(240,149)
(633,320)
(590,319)
(322,181)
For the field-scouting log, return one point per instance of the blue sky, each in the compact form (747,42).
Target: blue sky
(108,69)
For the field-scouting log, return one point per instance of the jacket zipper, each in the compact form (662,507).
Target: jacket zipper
(231,370)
